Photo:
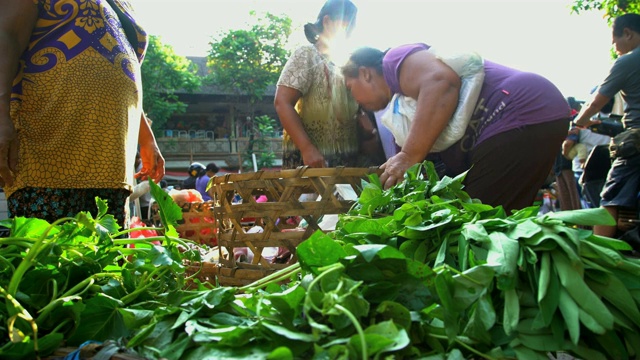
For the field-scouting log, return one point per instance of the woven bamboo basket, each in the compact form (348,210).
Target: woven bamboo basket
(206,272)
(283,190)
(198,223)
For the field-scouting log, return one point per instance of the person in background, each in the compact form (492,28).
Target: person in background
(623,180)
(71,116)
(203,180)
(140,197)
(513,137)
(318,115)
(194,171)
(212,169)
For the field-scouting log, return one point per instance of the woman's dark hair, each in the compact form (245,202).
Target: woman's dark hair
(630,21)
(343,10)
(364,56)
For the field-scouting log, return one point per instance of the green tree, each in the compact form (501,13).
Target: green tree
(611,8)
(263,127)
(163,73)
(245,62)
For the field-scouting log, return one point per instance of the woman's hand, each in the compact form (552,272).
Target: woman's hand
(312,157)
(152,163)
(394,169)
(8,152)
(150,156)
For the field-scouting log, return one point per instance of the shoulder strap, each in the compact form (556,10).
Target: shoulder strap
(127,24)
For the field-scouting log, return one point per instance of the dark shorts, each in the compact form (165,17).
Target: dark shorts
(623,182)
(53,204)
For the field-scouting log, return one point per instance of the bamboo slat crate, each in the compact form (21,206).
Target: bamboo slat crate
(206,272)
(283,190)
(198,223)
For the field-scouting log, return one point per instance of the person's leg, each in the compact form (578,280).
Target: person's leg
(609,231)
(116,203)
(620,192)
(44,203)
(508,169)
(568,191)
(53,204)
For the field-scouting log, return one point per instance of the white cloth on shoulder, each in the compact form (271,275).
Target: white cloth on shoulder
(470,68)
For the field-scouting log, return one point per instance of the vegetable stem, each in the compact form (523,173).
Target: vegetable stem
(26,263)
(130,230)
(272,278)
(24,314)
(356,324)
(130,297)
(75,291)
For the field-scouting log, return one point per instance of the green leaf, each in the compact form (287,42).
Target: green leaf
(572,280)
(570,313)
(393,311)
(134,318)
(281,353)
(141,335)
(176,348)
(474,231)
(610,243)
(549,303)
(588,217)
(471,285)
(615,291)
(614,345)
(377,227)
(234,336)
(380,338)
(30,228)
(511,315)
(317,251)
(170,213)
(523,352)
(524,230)
(290,334)
(371,252)
(26,350)
(288,303)
(444,284)
(503,256)
(482,318)
(100,321)
(213,352)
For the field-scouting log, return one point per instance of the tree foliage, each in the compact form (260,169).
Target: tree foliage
(262,128)
(246,62)
(163,73)
(611,8)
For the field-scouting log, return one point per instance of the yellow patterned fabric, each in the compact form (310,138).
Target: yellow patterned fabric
(326,108)
(77,100)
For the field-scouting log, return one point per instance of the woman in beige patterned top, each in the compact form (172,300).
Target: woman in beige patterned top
(315,108)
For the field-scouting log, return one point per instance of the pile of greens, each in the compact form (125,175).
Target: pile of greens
(82,279)
(420,270)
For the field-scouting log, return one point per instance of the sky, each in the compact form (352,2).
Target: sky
(541,36)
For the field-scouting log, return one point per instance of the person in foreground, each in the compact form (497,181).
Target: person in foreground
(71,116)
(317,112)
(623,180)
(511,141)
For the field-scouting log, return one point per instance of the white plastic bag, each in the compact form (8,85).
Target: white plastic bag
(470,68)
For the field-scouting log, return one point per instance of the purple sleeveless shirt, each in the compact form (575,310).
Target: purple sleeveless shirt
(509,98)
